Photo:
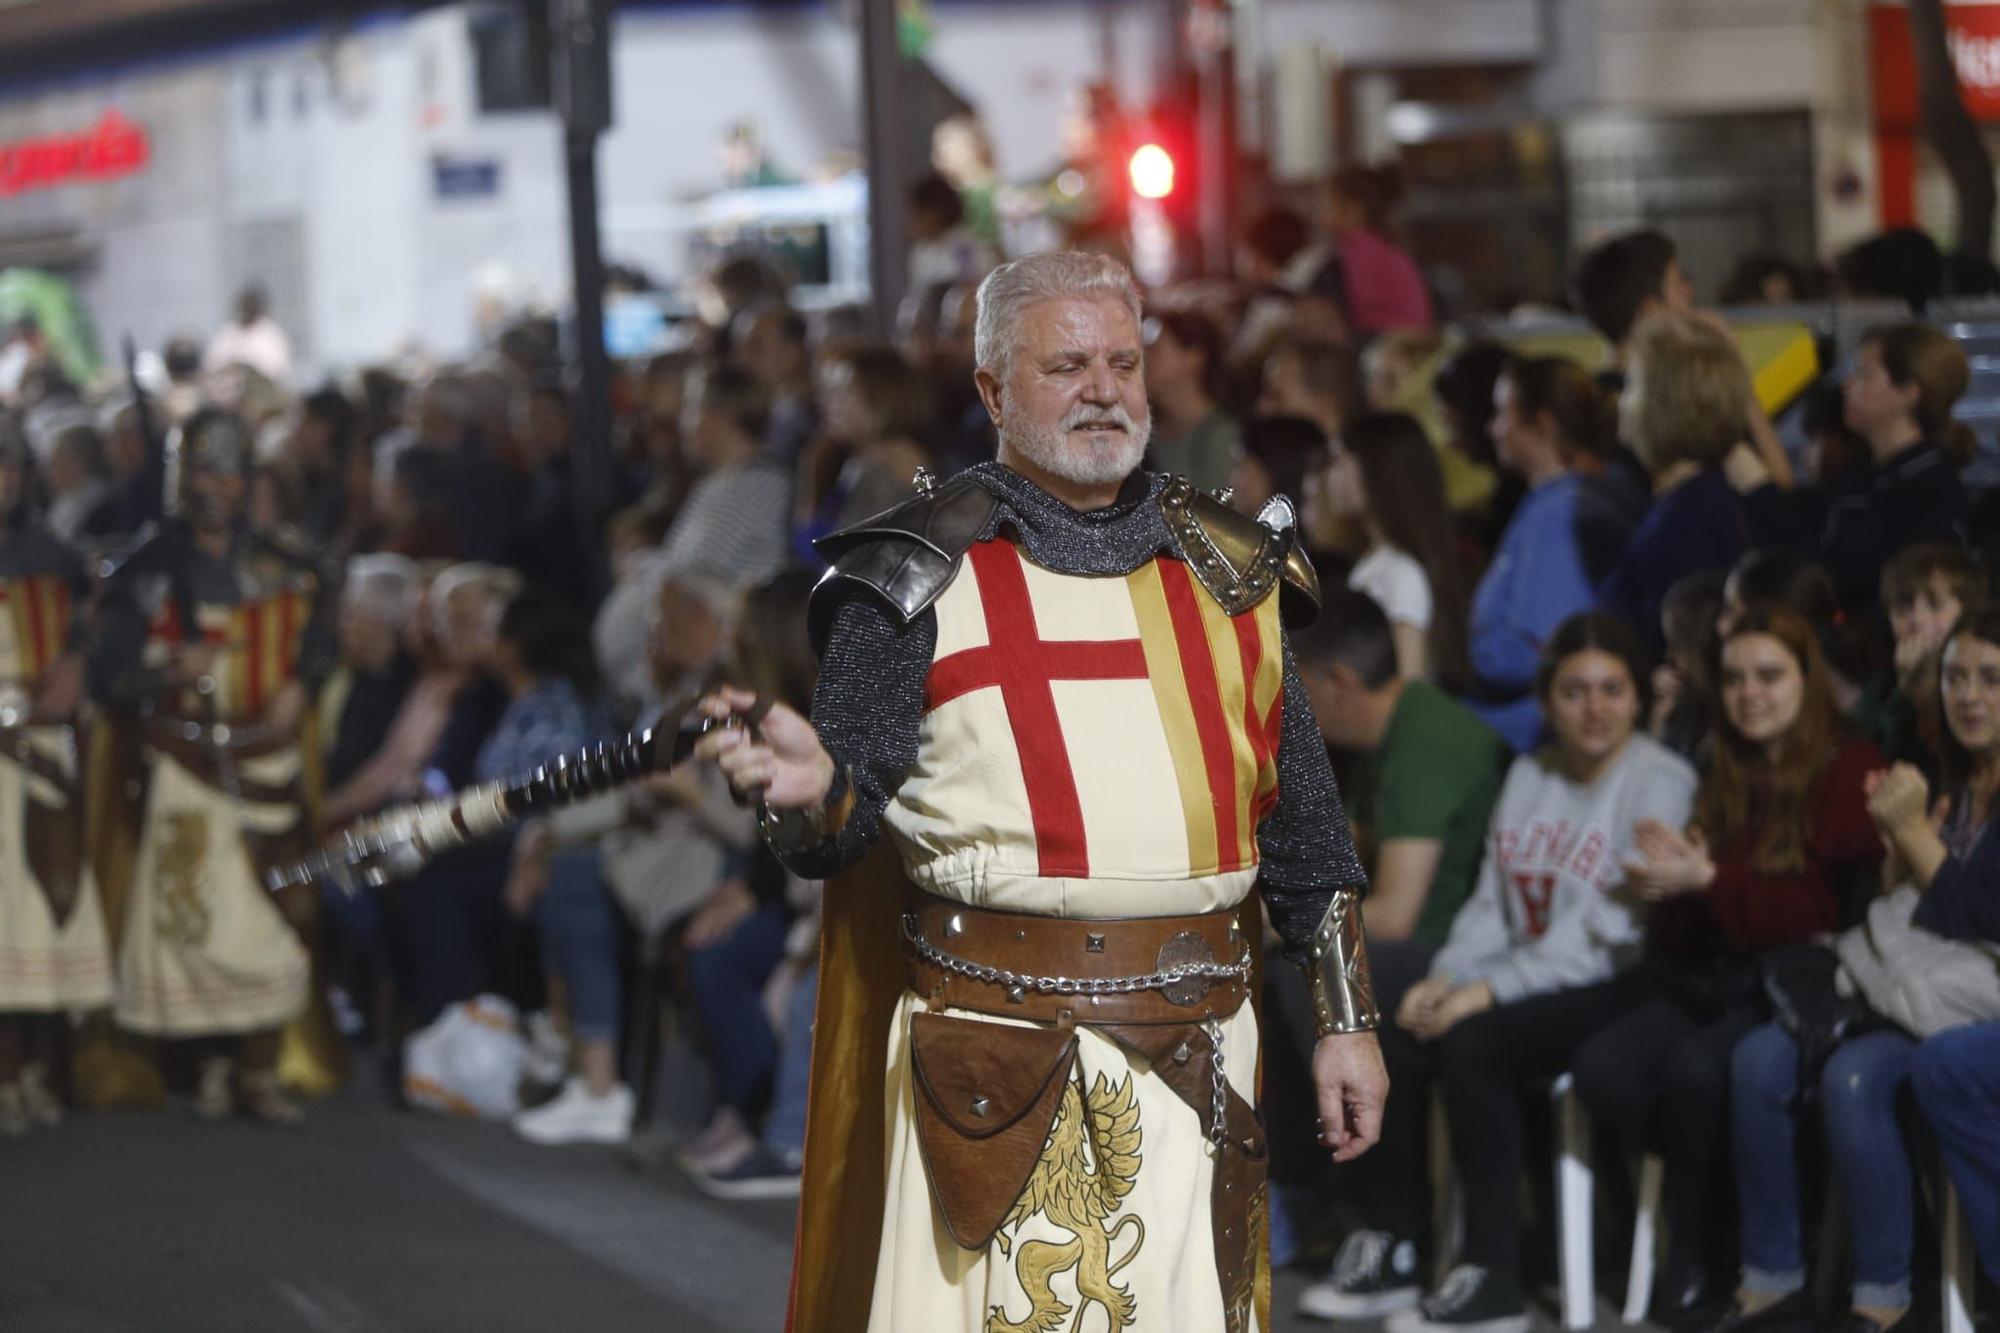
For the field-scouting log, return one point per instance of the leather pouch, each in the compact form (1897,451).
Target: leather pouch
(54,839)
(986,1095)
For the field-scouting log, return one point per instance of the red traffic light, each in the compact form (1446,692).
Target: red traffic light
(1152,172)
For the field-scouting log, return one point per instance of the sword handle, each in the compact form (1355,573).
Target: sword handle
(400,841)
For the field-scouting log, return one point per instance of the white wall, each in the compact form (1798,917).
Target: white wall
(158,252)
(343,148)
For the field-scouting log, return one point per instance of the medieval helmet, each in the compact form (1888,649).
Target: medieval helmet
(210,440)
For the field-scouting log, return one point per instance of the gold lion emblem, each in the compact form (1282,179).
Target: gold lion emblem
(1087,1168)
(179,859)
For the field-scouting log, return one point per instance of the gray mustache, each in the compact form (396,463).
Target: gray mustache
(1117,416)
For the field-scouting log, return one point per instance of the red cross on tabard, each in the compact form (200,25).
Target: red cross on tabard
(1024,665)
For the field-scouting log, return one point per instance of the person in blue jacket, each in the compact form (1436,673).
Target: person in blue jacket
(1547,413)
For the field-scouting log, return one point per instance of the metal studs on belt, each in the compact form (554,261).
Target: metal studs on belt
(955,926)
(1093,944)
(1017,993)
(1182,1054)
(980,1105)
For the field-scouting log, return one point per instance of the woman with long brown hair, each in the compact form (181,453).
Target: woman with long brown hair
(1385,476)
(1781,838)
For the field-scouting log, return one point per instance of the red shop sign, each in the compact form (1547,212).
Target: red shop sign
(1973,33)
(112,148)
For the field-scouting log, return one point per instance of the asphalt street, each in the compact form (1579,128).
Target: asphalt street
(371,1220)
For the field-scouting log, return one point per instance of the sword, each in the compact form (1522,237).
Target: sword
(400,841)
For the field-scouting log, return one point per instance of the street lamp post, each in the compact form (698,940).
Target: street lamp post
(581,83)
(886,123)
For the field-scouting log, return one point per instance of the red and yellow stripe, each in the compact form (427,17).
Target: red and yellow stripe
(260,643)
(38,605)
(1218,681)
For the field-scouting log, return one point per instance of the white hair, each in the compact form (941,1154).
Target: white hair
(1032,279)
(721,598)
(383,585)
(492,582)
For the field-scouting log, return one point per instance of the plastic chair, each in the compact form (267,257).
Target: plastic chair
(1576,1243)
(1645,1239)
(1958,1268)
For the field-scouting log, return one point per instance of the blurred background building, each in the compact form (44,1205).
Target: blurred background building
(392,176)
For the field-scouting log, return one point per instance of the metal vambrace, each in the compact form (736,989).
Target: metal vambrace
(1337,971)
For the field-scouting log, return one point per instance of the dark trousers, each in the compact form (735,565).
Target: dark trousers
(728,980)
(1389,1185)
(1483,1064)
(1658,1079)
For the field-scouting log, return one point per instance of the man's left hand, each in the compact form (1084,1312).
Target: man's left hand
(1353,1085)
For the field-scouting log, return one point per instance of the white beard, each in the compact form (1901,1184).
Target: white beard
(1106,458)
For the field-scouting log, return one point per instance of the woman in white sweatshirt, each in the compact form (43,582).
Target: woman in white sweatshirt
(1532,966)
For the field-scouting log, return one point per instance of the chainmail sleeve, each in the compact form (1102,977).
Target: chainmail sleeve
(867,707)
(1305,849)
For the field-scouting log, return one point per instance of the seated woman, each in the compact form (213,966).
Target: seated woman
(774,659)
(1547,412)
(1384,477)
(1781,832)
(1683,409)
(1957,1073)
(541,657)
(1899,397)
(1948,855)
(1532,967)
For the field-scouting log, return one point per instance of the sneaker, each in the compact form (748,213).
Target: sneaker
(725,1142)
(1374,1274)
(761,1174)
(1467,1301)
(15,1122)
(214,1099)
(44,1107)
(264,1099)
(1788,1312)
(579,1116)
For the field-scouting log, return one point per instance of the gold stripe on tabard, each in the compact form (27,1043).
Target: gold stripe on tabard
(19,653)
(1228,656)
(1163,665)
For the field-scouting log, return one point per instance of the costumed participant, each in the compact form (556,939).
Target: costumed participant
(53,955)
(1060,686)
(209,642)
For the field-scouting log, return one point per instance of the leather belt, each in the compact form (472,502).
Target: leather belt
(1085,958)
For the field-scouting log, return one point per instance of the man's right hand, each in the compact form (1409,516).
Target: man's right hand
(192,661)
(784,763)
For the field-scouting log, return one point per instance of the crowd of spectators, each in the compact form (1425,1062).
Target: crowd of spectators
(1634,711)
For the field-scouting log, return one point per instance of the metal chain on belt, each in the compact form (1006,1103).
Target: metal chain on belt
(1057,985)
(1218,1132)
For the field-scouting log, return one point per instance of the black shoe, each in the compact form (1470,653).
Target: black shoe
(1471,1299)
(1374,1274)
(1788,1314)
(1687,1296)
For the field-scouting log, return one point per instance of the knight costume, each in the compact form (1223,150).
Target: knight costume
(54,958)
(205,949)
(1035,1070)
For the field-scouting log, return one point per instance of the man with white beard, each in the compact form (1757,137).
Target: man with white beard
(1060,685)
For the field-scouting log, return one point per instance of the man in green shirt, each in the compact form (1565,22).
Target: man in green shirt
(1427,777)
(1420,794)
